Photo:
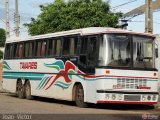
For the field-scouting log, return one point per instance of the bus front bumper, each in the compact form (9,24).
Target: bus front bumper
(126,97)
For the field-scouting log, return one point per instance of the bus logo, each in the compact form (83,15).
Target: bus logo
(28,65)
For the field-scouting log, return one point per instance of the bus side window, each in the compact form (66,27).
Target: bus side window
(51,47)
(58,47)
(54,47)
(8,51)
(28,50)
(31,49)
(43,49)
(66,46)
(16,51)
(70,45)
(83,51)
(40,48)
(92,50)
(20,54)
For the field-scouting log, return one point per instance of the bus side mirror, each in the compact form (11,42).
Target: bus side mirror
(156,52)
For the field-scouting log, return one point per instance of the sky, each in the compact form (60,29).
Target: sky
(30,8)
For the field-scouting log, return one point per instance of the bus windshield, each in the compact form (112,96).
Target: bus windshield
(123,50)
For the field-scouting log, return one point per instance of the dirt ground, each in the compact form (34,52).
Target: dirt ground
(12,104)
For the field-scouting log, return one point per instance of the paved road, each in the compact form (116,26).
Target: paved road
(10,104)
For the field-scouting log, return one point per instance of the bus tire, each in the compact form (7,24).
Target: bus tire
(79,96)
(28,90)
(20,89)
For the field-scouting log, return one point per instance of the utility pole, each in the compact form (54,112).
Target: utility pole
(16,19)
(149,17)
(7,20)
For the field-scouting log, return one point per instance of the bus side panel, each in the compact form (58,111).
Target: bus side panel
(9,85)
(90,90)
(48,77)
(58,90)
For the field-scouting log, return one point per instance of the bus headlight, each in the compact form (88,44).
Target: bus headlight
(107,96)
(148,97)
(154,97)
(119,97)
(143,97)
(113,96)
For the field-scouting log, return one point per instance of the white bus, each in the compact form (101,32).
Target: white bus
(158,59)
(89,65)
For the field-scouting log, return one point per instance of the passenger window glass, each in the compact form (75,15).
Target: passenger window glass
(54,47)
(70,46)
(15,51)
(43,49)
(18,50)
(120,48)
(58,47)
(29,48)
(83,49)
(143,52)
(51,47)
(8,51)
(92,49)
(40,48)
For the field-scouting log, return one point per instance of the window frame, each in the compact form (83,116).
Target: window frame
(47,47)
(16,56)
(8,51)
(33,49)
(36,49)
(76,43)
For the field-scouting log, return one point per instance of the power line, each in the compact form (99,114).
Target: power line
(156,22)
(5,23)
(136,21)
(157,10)
(123,4)
(157,19)
(142,21)
(2,20)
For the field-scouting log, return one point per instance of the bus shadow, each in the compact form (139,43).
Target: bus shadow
(97,106)
(52,100)
(122,107)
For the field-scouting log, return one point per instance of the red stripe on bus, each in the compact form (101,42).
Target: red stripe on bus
(125,76)
(47,81)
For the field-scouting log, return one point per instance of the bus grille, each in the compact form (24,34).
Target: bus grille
(131,83)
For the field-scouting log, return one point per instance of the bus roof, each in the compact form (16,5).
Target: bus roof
(82,31)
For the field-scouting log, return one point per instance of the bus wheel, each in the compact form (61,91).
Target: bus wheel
(20,89)
(28,90)
(79,96)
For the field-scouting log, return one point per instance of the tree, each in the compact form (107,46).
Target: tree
(73,14)
(1,54)
(2,37)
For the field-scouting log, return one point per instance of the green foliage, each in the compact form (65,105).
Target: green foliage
(2,37)
(73,14)
(1,54)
